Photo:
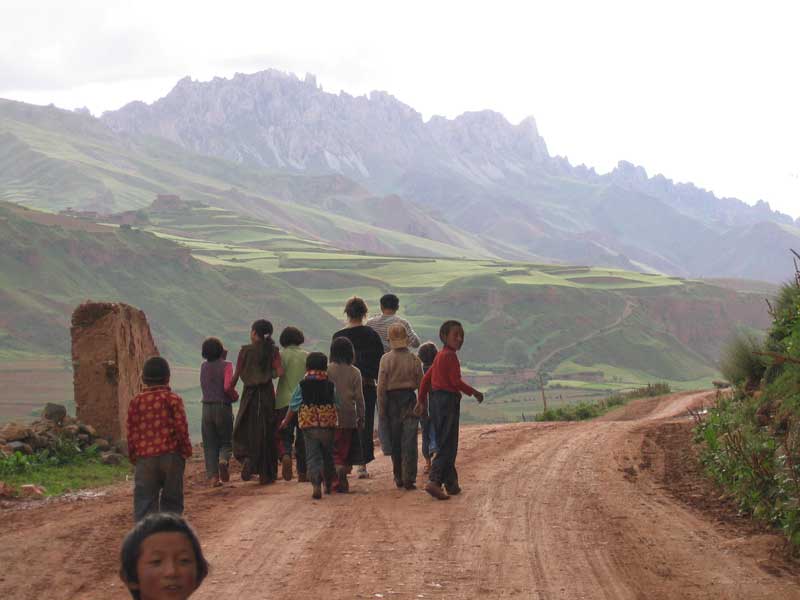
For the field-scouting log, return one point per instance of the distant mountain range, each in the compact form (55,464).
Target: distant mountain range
(369,173)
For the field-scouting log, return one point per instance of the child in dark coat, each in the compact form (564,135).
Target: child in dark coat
(315,402)
(427,352)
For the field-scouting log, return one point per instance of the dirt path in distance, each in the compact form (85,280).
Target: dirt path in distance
(549,510)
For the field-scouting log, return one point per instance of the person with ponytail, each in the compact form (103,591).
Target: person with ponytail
(259,362)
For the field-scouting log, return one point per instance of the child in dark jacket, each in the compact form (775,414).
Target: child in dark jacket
(216,374)
(315,402)
(444,385)
(158,443)
(427,352)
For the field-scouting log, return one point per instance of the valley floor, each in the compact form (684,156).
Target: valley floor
(549,510)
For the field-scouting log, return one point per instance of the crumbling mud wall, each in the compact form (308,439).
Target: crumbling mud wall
(110,343)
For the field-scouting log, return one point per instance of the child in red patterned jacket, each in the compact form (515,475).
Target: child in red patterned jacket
(158,443)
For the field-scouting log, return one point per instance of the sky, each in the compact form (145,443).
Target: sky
(703,91)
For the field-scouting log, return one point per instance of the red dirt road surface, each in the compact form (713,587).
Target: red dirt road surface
(549,510)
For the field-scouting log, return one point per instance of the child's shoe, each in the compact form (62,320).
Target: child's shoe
(286,467)
(435,490)
(410,485)
(398,483)
(328,486)
(453,489)
(224,472)
(362,472)
(316,494)
(214,481)
(344,485)
(247,470)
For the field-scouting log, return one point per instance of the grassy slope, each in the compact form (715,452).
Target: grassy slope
(47,270)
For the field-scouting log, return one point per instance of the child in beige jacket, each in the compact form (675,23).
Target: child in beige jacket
(399,377)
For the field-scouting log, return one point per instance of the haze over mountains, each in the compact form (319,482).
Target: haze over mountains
(487,177)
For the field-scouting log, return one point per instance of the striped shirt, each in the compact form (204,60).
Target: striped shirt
(381,326)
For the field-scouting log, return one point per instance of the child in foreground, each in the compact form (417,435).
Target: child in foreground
(441,390)
(315,402)
(427,352)
(398,379)
(293,360)
(158,443)
(161,559)
(216,374)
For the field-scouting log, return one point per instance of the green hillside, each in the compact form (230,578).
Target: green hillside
(49,264)
(587,327)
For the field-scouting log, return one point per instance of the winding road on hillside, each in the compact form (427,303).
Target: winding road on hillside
(549,510)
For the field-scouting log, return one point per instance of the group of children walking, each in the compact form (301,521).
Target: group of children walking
(322,412)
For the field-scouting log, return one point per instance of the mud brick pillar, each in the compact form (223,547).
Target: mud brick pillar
(110,343)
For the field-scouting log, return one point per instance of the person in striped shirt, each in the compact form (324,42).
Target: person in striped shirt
(388,317)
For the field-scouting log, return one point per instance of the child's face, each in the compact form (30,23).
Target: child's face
(455,338)
(167,567)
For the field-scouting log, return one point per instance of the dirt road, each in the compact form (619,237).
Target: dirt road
(551,510)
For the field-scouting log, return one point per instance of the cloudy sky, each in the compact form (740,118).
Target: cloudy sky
(701,91)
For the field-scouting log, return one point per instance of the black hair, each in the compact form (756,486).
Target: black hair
(212,349)
(291,336)
(427,352)
(316,361)
(356,308)
(390,301)
(150,525)
(342,351)
(446,327)
(155,371)
(263,329)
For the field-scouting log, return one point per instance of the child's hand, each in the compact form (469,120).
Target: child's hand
(360,423)
(284,424)
(479,396)
(418,409)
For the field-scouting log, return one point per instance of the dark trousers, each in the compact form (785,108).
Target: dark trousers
(217,429)
(319,454)
(428,444)
(401,424)
(290,436)
(158,485)
(445,412)
(367,445)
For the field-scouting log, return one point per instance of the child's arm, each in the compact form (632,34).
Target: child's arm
(452,369)
(383,375)
(181,426)
(294,406)
(358,393)
(230,391)
(413,338)
(132,412)
(236,373)
(277,363)
(424,389)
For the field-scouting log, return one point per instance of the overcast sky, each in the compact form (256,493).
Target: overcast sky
(700,91)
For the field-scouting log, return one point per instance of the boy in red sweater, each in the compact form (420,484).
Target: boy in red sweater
(158,443)
(441,390)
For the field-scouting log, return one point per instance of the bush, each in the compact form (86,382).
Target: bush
(751,441)
(740,364)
